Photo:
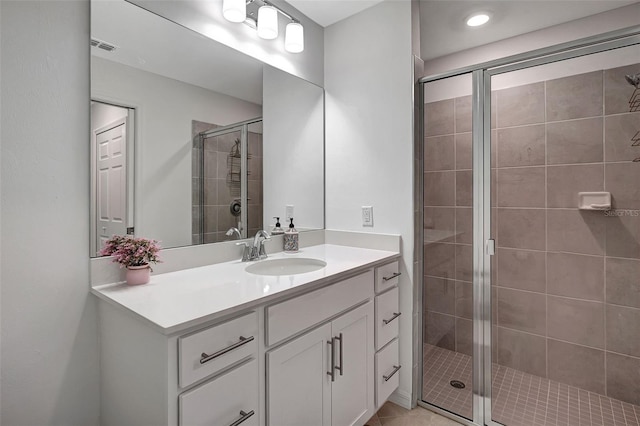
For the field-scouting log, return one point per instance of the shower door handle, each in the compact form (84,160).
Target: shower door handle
(490,246)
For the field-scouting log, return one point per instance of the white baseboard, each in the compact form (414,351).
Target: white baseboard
(401,398)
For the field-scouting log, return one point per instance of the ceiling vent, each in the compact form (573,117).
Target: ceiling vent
(103,45)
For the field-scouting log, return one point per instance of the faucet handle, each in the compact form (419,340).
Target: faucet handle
(246,252)
(262,254)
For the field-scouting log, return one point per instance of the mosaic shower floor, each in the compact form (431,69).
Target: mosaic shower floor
(520,399)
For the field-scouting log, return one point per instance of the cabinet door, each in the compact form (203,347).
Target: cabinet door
(353,390)
(298,386)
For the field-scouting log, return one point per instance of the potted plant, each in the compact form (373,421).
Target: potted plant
(136,254)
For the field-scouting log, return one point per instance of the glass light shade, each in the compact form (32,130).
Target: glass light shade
(267,22)
(234,10)
(478,19)
(294,38)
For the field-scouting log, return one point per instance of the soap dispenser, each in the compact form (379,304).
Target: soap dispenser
(291,239)
(277,230)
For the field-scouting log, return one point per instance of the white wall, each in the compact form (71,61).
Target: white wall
(592,25)
(206,18)
(104,114)
(293,158)
(50,367)
(369,142)
(164,111)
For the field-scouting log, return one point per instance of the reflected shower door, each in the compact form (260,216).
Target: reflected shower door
(220,184)
(254,178)
(227,182)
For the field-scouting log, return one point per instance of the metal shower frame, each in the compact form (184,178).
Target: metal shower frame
(482,241)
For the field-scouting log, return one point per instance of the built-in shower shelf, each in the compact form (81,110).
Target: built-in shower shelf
(594,200)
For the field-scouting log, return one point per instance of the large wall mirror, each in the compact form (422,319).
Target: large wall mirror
(190,138)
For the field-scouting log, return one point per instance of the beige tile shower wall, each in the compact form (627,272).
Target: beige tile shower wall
(448,225)
(566,282)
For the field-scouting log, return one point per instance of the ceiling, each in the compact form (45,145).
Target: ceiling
(442,22)
(443,29)
(173,51)
(327,12)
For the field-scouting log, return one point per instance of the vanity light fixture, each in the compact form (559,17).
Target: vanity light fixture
(478,19)
(262,15)
(234,10)
(294,37)
(267,22)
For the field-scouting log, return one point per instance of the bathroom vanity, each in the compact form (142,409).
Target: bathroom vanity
(217,345)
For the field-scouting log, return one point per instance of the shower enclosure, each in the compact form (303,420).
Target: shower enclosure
(531,292)
(227,181)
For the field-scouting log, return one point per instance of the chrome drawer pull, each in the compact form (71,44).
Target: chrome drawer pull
(394,275)
(395,315)
(244,417)
(204,358)
(340,369)
(331,371)
(395,370)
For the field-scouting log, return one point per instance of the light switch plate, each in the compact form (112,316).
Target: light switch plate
(367,216)
(289,211)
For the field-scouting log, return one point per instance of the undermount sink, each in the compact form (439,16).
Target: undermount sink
(293,266)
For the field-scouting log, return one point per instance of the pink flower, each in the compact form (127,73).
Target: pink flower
(130,251)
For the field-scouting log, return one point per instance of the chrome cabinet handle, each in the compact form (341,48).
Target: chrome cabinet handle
(340,369)
(243,416)
(394,275)
(204,358)
(395,370)
(395,315)
(331,372)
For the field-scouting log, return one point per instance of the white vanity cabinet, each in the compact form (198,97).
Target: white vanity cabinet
(309,357)
(324,377)
(148,378)
(387,327)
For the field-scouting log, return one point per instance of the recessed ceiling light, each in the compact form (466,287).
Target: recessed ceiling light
(478,19)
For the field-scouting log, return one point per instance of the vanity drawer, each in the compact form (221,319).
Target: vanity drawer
(387,317)
(387,372)
(208,351)
(292,316)
(387,276)
(224,400)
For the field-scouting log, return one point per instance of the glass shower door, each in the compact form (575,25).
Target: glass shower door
(531,266)
(566,320)
(448,332)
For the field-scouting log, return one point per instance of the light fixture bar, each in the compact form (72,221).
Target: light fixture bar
(268,12)
(285,14)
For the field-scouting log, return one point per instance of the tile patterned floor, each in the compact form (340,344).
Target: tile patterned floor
(391,414)
(521,399)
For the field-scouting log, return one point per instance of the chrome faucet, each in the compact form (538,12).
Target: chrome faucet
(234,231)
(257,250)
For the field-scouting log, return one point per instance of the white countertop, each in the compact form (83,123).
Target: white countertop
(179,300)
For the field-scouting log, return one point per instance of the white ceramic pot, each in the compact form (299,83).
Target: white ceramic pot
(137,275)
